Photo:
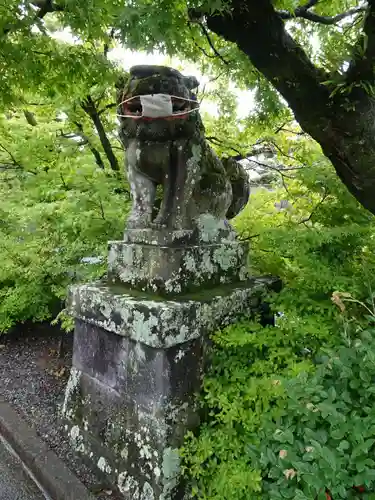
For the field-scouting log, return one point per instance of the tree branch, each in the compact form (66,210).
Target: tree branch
(94,151)
(260,33)
(14,161)
(91,110)
(210,43)
(313,211)
(109,106)
(362,66)
(15,164)
(45,7)
(305,13)
(107,43)
(85,141)
(343,125)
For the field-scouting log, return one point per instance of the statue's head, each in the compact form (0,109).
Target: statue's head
(157,103)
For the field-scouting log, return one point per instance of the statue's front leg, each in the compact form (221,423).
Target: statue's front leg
(188,164)
(165,215)
(142,189)
(143,192)
(183,173)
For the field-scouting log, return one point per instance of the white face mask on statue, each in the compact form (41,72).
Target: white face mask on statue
(158,106)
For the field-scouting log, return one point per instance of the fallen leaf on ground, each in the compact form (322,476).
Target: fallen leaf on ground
(60,373)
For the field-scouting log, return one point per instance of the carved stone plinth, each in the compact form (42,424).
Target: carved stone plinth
(170,271)
(141,336)
(137,367)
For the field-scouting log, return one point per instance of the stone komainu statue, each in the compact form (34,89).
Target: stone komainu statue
(163,135)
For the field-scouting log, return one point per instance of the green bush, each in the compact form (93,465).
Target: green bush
(56,209)
(286,429)
(261,378)
(324,436)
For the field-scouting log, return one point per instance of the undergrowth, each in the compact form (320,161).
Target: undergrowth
(288,410)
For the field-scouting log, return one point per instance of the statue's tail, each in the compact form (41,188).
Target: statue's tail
(239,180)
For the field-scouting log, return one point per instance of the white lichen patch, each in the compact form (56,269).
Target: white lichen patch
(210,227)
(177,413)
(103,465)
(190,263)
(144,327)
(180,355)
(71,387)
(157,472)
(183,334)
(145,452)
(76,439)
(106,310)
(147,492)
(74,432)
(173,286)
(207,265)
(226,256)
(171,470)
(124,453)
(127,485)
(244,273)
(139,353)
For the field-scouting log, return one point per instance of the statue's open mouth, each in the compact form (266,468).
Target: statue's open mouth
(153,106)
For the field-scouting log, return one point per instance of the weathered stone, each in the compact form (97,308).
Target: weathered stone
(171,270)
(208,230)
(170,263)
(172,152)
(162,323)
(137,368)
(141,335)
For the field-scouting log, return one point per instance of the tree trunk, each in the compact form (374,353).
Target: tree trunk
(343,126)
(89,107)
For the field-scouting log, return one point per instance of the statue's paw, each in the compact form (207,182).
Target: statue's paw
(158,225)
(160,222)
(138,222)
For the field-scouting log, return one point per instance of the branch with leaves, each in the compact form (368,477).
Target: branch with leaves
(305,12)
(43,7)
(361,67)
(13,164)
(314,210)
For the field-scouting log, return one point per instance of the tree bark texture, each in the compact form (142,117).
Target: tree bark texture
(344,126)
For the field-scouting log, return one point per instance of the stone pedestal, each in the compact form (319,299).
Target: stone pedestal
(177,262)
(139,352)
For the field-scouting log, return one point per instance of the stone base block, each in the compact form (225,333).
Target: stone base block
(170,270)
(137,367)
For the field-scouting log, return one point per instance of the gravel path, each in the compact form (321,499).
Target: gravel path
(33,380)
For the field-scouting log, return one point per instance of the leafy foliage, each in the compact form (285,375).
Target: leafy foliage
(262,377)
(284,417)
(57,207)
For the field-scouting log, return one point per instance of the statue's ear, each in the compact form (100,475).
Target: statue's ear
(191,82)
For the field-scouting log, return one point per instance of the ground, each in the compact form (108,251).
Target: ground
(33,380)
(15,484)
